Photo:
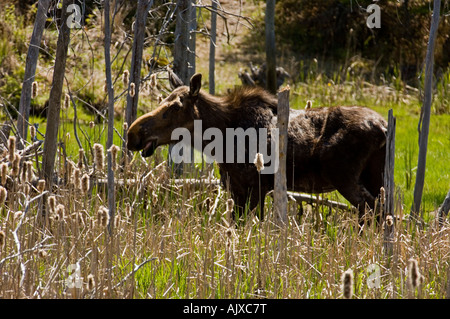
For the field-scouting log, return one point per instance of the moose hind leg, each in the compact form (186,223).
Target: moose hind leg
(358,195)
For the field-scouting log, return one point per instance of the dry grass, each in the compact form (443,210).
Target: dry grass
(170,241)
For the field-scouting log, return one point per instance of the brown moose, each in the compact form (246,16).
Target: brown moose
(329,148)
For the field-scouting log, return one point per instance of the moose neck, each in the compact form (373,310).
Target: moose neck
(213,111)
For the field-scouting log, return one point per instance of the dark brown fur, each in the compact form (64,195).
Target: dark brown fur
(335,148)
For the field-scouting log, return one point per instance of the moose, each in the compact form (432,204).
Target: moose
(329,148)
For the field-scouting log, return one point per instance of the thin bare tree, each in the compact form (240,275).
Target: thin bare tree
(270,47)
(109,142)
(30,71)
(424,124)
(54,103)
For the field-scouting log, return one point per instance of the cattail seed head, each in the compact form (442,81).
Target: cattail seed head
(389,220)
(91,124)
(103,216)
(66,101)
(60,212)
(114,149)
(41,185)
(52,203)
(29,170)
(12,148)
(91,282)
(42,253)
(125,126)
(98,156)
(16,165)
(32,132)
(2,238)
(85,183)
(347,284)
(160,99)
(3,194)
(132,89)
(77,178)
(414,276)
(308,105)
(34,89)
(125,78)
(153,81)
(4,173)
(230,204)
(259,162)
(128,210)
(382,196)
(80,158)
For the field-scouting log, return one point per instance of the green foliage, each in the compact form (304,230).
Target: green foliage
(336,30)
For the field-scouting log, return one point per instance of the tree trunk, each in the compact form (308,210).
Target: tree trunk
(389,185)
(270,47)
(30,71)
(109,142)
(280,183)
(212,48)
(54,104)
(184,58)
(443,210)
(426,113)
(136,59)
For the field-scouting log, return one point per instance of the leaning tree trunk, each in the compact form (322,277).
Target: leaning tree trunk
(426,113)
(184,58)
(54,103)
(136,59)
(30,71)
(212,48)
(270,47)
(109,142)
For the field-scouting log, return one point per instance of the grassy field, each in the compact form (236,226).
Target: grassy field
(177,240)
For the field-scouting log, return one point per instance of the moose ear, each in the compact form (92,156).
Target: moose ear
(195,84)
(174,80)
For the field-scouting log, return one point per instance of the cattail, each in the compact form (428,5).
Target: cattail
(132,89)
(2,238)
(153,81)
(91,124)
(12,148)
(259,162)
(382,196)
(98,156)
(160,99)
(347,284)
(32,132)
(52,203)
(308,105)
(60,212)
(29,169)
(103,216)
(114,149)
(4,173)
(116,220)
(128,210)
(3,194)
(230,204)
(34,91)
(125,78)
(66,101)
(125,126)
(77,178)
(80,158)
(414,276)
(16,165)
(85,183)
(389,220)
(41,185)
(91,282)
